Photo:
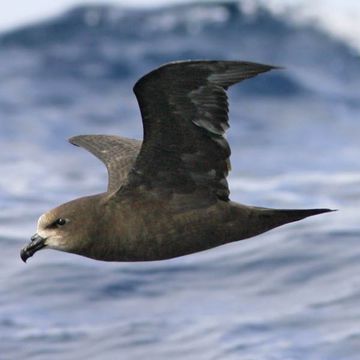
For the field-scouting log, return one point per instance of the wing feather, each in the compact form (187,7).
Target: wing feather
(117,153)
(184,110)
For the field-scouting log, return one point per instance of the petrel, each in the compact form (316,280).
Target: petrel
(167,196)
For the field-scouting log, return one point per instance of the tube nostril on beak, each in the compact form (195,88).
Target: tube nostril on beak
(37,242)
(36,237)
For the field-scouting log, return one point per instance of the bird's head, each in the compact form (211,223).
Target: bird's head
(68,227)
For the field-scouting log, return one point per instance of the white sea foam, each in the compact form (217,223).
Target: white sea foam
(339,18)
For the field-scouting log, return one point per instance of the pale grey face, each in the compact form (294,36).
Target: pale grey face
(64,228)
(52,232)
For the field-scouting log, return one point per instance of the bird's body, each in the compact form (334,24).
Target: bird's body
(168,195)
(147,229)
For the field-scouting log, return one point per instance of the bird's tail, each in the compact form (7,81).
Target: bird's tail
(272,218)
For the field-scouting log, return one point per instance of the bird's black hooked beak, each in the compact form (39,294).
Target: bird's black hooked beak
(37,242)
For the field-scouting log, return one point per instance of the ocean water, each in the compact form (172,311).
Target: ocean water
(289,294)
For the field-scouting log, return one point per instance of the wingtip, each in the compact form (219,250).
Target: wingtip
(322,211)
(261,68)
(328,210)
(274,67)
(332,210)
(278,67)
(71,140)
(74,140)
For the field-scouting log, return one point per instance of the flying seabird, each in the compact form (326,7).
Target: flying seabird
(167,196)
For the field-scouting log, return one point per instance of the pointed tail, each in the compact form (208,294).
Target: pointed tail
(271,218)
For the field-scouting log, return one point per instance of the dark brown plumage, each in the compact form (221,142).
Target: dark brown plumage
(167,196)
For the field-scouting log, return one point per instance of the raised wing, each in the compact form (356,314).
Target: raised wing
(184,111)
(117,153)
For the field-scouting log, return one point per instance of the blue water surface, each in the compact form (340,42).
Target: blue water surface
(290,294)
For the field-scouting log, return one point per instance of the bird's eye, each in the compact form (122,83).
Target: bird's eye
(60,222)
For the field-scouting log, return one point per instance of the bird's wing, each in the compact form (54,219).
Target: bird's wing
(117,153)
(184,111)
